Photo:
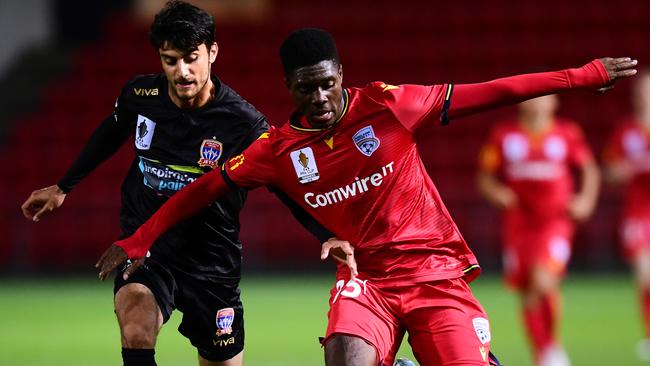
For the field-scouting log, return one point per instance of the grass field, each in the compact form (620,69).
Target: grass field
(69,322)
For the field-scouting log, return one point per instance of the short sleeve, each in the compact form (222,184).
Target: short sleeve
(489,159)
(121,114)
(416,105)
(253,167)
(613,151)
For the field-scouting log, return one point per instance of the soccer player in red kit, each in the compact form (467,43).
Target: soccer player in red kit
(627,160)
(526,170)
(348,157)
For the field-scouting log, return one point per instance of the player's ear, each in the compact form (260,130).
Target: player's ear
(213,51)
(341,72)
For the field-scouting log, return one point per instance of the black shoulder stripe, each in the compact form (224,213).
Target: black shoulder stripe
(444,114)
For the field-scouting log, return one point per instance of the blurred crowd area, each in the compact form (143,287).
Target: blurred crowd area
(64,62)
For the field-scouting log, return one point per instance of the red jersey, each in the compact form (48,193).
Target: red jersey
(631,143)
(364,181)
(537,166)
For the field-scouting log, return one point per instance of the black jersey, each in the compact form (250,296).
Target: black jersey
(173,147)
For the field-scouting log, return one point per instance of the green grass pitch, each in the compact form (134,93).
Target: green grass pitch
(69,322)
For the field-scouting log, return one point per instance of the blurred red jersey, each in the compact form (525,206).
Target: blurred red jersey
(631,143)
(364,181)
(537,166)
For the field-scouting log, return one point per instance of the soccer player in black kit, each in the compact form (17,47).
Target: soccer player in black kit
(185,123)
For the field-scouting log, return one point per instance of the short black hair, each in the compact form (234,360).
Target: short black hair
(182,26)
(305,47)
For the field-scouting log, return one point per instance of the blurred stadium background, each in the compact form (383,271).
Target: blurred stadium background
(63,63)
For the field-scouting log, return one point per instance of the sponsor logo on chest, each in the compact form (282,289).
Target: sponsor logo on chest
(144,92)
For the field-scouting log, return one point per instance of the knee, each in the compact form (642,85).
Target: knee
(137,336)
(138,316)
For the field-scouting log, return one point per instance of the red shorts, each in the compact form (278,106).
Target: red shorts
(534,243)
(635,235)
(445,323)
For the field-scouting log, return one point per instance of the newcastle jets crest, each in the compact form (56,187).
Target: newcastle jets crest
(225,318)
(305,165)
(366,141)
(210,153)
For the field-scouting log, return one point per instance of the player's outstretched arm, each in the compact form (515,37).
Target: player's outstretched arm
(598,75)
(42,201)
(182,205)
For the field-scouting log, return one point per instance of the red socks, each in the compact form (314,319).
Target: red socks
(541,320)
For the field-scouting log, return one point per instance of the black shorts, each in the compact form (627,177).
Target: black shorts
(213,316)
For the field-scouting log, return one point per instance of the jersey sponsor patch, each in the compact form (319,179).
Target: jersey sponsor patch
(366,141)
(225,318)
(482,329)
(167,179)
(210,153)
(305,165)
(144,129)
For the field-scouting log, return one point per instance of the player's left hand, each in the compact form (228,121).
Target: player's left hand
(110,259)
(342,251)
(617,68)
(580,208)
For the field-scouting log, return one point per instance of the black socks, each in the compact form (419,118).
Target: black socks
(138,357)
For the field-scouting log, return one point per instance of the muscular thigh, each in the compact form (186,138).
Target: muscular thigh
(362,310)
(446,324)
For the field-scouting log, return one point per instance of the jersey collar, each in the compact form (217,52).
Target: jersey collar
(297,121)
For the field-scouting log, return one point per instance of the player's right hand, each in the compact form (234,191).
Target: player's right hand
(111,258)
(617,68)
(342,251)
(43,201)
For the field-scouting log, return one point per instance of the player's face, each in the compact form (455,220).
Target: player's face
(188,74)
(317,92)
(642,96)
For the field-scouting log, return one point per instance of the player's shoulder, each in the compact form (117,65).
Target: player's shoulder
(504,127)
(378,89)
(229,99)
(568,126)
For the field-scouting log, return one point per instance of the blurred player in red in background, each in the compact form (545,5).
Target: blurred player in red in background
(627,160)
(526,170)
(349,158)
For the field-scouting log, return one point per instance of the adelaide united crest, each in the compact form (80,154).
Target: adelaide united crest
(366,141)
(210,152)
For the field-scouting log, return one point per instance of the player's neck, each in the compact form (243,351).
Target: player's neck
(643,117)
(536,123)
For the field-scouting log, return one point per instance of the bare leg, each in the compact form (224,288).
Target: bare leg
(138,315)
(238,360)
(346,350)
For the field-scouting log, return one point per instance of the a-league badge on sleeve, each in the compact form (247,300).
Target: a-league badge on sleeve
(305,165)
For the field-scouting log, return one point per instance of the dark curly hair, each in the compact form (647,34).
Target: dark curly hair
(306,47)
(182,26)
